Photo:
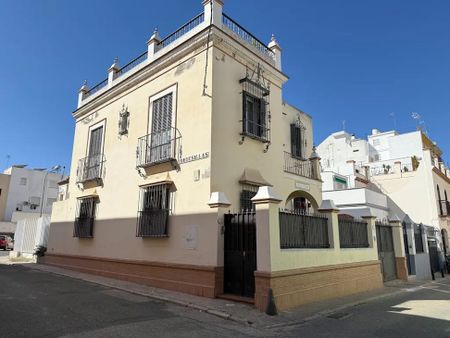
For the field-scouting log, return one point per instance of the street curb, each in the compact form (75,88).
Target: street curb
(325,313)
(215,312)
(201,308)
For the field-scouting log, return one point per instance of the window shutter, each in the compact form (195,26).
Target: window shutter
(300,142)
(262,119)
(296,141)
(96,142)
(293,143)
(244,112)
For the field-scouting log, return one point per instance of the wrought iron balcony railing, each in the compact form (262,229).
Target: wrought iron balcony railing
(159,147)
(90,168)
(300,167)
(444,208)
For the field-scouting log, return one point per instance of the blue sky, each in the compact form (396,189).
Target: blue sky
(349,60)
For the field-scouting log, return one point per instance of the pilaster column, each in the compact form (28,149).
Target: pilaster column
(329,209)
(152,44)
(399,248)
(220,202)
(81,93)
(371,231)
(315,164)
(266,203)
(276,49)
(112,72)
(213,9)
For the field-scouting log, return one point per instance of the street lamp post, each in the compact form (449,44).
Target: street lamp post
(52,170)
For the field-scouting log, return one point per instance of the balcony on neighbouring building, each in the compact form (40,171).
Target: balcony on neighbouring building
(159,147)
(305,168)
(90,168)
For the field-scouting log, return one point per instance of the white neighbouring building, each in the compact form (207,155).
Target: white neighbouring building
(24,192)
(407,169)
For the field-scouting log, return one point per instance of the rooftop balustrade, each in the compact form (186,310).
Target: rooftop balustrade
(186,31)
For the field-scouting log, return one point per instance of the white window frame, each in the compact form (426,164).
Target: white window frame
(172,89)
(101,123)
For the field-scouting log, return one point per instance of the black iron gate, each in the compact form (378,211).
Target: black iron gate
(434,256)
(240,254)
(405,241)
(386,251)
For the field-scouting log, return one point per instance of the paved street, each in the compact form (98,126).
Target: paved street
(422,312)
(38,303)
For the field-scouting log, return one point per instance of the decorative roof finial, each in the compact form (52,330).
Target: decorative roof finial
(155,35)
(273,38)
(85,83)
(314,155)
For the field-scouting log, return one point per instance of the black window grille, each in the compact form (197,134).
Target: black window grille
(255,110)
(418,238)
(154,209)
(85,216)
(247,193)
(254,116)
(302,230)
(353,233)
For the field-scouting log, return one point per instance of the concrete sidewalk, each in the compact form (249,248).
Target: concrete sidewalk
(240,312)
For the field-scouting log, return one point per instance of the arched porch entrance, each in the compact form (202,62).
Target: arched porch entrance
(302,201)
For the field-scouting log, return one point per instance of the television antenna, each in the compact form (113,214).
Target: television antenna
(420,122)
(8,157)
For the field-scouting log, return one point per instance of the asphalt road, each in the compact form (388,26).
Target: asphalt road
(40,304)
(421,312)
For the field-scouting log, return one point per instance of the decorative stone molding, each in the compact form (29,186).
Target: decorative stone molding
(328,206)
(218,199)
(266,194)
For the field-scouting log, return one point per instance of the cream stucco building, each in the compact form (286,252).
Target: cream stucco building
(171,142)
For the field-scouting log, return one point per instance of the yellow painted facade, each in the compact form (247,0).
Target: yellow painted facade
(207,111)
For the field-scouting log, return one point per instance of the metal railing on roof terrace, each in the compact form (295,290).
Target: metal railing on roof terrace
(130,65)
(96,88)
(182,30)
(227,22)
(248,37)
